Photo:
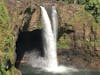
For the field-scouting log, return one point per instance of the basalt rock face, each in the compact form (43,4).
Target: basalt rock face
(24,15)
(78,38)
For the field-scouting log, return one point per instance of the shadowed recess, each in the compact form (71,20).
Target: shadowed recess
(27,42)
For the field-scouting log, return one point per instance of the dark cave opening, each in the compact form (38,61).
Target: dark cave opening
(28,42)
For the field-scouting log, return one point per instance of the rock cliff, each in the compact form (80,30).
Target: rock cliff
(78,38)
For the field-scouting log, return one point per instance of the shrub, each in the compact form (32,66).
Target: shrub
(6,40)
(93,6)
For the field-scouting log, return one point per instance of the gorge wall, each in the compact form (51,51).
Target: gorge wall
(78,38)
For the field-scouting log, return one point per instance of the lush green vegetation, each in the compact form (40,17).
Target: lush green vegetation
(93,6)
(6,41)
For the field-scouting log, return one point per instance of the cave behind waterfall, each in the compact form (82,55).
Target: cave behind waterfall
(28,42)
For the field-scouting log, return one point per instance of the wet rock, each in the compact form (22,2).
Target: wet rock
(79,62)
(95,65)
(17,72)
(97,53)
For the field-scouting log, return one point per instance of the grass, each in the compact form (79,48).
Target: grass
(6,40)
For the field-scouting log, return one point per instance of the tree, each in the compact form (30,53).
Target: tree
(93,6)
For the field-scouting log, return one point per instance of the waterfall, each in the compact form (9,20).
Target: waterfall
(49,61)
(55,22)
(50,36)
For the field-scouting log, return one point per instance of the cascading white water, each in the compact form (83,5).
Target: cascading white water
(55,22)
(50,29)
(50,36)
